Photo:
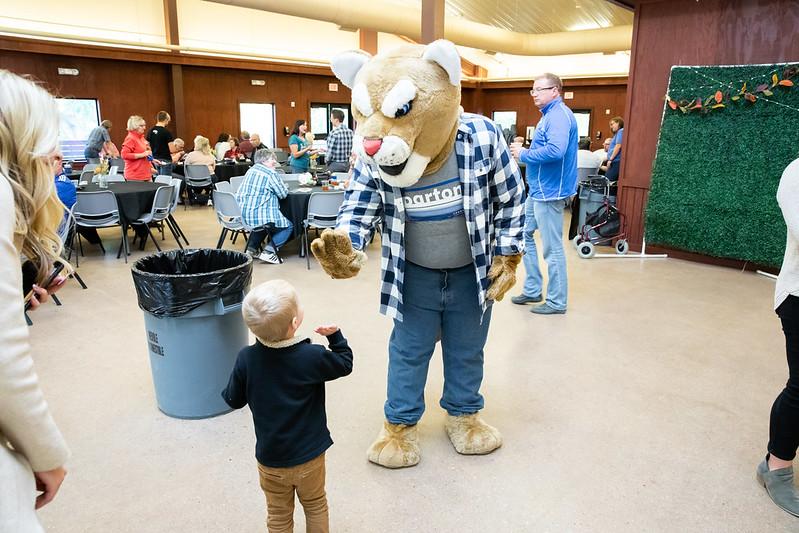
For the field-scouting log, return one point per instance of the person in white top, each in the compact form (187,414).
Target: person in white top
(602,153)
(222,145)
(32,450)
(585,157)
(775,473)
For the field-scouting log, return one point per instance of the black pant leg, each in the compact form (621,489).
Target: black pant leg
(784,424)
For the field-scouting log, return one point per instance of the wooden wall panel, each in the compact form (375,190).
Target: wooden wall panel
(123,88)
(596,98)
(213,95)
(686,32)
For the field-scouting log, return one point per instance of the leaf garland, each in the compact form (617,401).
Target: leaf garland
(717,100)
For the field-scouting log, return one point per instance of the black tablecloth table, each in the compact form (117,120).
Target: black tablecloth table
(135,198)
(295,206)
(223,171)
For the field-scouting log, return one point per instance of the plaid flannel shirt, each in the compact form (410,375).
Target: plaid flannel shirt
(339,145)
(493,203)
(259,197)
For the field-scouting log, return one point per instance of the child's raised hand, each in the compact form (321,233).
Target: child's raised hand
(326,330)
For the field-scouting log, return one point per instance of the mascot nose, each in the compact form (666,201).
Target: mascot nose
(371,146)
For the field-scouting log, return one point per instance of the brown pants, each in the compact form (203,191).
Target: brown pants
(308,480)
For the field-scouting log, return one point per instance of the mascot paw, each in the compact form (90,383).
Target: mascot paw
(397,446)
(334,251)
(471,436)
(502,275)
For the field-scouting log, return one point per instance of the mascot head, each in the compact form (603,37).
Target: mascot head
(407,103)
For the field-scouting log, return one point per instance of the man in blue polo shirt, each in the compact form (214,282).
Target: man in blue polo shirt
(551,177)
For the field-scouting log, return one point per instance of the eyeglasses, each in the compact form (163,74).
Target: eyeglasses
(540,89)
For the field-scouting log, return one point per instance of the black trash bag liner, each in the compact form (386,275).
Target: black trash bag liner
(170,284)
(605,221)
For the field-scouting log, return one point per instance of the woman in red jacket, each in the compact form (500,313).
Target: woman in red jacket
(136,152)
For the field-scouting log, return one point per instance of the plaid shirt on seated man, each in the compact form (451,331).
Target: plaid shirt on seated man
(339,145)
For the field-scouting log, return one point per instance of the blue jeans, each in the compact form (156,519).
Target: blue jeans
(91,153)
(279,237)
(546,217)
(437,304)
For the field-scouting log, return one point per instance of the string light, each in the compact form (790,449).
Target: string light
(735,86)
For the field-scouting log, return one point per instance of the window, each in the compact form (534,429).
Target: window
(320,118)
(260,119)
(77,118)
(583,117)
(507,121)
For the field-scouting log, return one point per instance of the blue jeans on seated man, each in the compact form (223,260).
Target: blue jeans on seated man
(279,237)
(90,153)
(437,304)
(547,218)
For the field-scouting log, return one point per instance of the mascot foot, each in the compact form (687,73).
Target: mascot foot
(471,436)
(397,446)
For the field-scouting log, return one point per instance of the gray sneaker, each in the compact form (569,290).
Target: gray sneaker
(779,486)
(546,309)
(523,299)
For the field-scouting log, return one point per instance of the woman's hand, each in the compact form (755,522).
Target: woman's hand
(48,483)
(41,295)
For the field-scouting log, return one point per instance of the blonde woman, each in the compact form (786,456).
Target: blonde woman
(202,154)
(32,450)
(136,152)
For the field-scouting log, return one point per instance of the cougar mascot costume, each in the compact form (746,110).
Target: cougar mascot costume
(447,194)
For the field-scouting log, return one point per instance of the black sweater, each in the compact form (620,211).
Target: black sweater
(285,389)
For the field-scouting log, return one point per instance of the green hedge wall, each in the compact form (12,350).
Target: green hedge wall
(716,173)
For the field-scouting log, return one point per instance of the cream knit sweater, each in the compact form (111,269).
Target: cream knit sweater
(25,420)
(788,198)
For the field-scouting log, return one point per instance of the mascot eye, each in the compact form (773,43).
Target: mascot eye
(404,110)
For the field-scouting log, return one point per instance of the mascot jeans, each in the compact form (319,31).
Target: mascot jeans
(279,485)
(437,304)
(547,218)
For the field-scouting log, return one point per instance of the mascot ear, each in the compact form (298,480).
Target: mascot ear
(446,55)
(346,65)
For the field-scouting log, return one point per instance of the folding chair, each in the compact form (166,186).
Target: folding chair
(322,212)
(100,210)
(159,212)
(228,213)
(223,186)
(197,177)
(66,232)
(176,184)
(235,183)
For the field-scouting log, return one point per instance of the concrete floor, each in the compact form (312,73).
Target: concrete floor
(644,408)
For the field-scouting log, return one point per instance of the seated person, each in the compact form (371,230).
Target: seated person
(68,195)
(222,145)
(246,146)
(202,154)
(177,150)
(256,143)
(603,153)
(64,187)
(585,157)
(234,152)
(259,197)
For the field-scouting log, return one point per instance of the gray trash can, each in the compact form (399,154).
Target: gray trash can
(194,329)
(591,198)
